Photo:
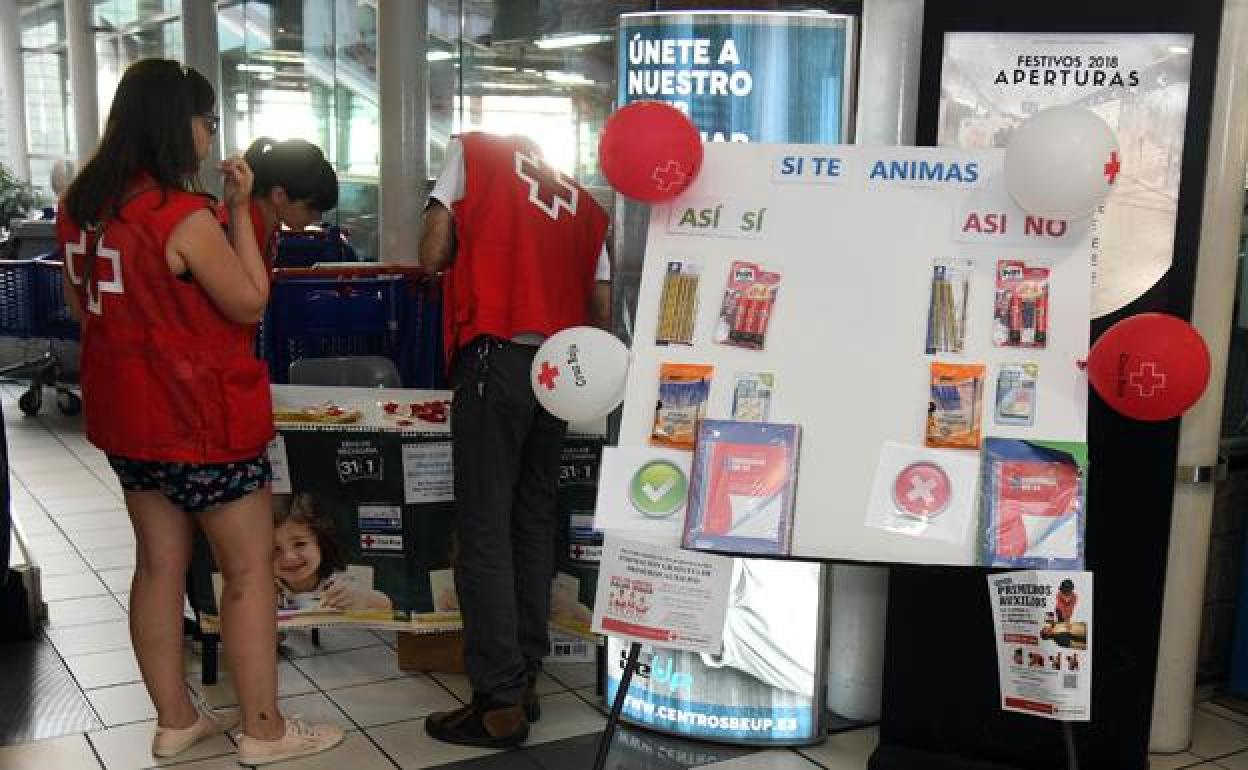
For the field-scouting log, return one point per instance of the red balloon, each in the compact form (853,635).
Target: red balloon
(1150,366)
(650,151)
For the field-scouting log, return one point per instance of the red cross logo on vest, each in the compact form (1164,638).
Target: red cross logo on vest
(549,190)
(367,541)
(1112,167)
(1147,380)
(547,375)
(108,265)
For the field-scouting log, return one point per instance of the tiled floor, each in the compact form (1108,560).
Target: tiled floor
(81,704)
(69,506)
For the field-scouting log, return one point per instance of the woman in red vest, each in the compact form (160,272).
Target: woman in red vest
(175,397)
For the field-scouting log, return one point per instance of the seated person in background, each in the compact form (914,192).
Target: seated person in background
(308,564)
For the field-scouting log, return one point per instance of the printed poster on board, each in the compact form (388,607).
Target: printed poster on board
(655,593)
(1043,626)
(1138,83)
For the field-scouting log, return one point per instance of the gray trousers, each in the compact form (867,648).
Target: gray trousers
(506,451)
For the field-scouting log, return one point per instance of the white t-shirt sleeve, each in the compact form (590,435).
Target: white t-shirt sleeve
(449,189)
(603,273)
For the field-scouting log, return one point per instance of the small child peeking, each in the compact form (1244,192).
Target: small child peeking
(307,561)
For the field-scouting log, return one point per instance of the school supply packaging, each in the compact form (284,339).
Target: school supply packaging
(751,396)
(678,305)
(946,312)
(742,487)
(749,302)
(1016,394)
(1032,503)
(1021,306)
(683,392)
(953,412)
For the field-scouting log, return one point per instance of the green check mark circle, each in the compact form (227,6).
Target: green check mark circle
(658,489)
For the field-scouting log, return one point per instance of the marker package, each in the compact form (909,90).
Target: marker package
(683,393)
(742,487)
(678,304)
(1021,305)
(749,301)
(1032,503)
(953,412)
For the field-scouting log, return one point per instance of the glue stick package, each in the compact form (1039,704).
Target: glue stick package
(749,301)
(678,304)
(683,393)
(953,412)
(1021,305)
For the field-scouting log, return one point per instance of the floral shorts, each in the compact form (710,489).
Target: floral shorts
(194,488)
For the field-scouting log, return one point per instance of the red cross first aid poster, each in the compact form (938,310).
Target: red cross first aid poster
(1043,626)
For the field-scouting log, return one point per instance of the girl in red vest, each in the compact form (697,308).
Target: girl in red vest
(175,397)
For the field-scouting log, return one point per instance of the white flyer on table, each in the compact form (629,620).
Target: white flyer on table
(656,594)
(427,473)
(1043,625)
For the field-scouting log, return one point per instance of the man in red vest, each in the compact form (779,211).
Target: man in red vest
(523,250)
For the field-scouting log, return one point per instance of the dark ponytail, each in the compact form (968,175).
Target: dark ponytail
(298,167)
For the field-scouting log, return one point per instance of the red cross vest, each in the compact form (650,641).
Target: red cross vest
(165,376)
(528,240)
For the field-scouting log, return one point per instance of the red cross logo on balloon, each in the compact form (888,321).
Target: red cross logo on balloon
(1112,167)
(547,375)
(549,190)
(669,175)
(1147,380)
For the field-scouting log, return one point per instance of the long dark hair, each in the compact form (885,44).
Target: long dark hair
(148,131)
(305,509)
(298,167)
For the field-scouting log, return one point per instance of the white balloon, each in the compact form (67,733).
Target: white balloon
(579,373)
(1061,162)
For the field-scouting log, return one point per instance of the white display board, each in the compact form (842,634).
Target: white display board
(853,232)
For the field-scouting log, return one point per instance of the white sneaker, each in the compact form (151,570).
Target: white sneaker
(171,741)
(301,739)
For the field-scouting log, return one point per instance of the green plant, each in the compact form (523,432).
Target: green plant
(17,197)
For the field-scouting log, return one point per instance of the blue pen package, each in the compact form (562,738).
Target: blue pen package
(1033,500)
(683,393)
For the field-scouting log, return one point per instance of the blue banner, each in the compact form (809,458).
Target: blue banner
(744,77)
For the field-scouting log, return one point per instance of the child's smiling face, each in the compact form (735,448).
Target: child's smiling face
(296,556)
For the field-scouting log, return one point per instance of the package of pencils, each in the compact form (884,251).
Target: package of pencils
(678,304)
(1021,305)
(946,312)
(749,302)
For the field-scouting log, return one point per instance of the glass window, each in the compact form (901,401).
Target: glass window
(45,72)
(544,69)
(308,69)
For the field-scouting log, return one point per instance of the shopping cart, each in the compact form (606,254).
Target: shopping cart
(354,310)
(32,307)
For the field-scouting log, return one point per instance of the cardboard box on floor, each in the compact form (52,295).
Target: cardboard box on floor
(441,652)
